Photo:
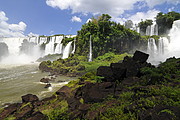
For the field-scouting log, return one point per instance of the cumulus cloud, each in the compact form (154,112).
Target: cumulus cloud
(76,19)
(11,30)
(151,14)
(113,7)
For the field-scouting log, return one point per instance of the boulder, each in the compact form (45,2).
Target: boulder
(45,80)
(119,70)
(140,56)
(95,92)
(29,98)
(64,92)
(9,110)
(106,72)
(47,85)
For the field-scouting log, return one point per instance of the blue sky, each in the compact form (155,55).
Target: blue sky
(48,17)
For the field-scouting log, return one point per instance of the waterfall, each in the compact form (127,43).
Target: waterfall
(74,47)
(152,47)
(66,51)
(49,49)
(166,47)
(152,29)
(29,49)
(59,46)
(174,45)
(90,50)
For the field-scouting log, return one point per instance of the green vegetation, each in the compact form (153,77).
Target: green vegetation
(165,21)
(144,24)
(107,36)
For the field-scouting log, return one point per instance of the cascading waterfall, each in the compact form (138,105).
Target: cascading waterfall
(166,47)
(90,50)
(59,46)
(49,49)
(29,49)
(152,48)
(74,47)
(152,29)
(66,51)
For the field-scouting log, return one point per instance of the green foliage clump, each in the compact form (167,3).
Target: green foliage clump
(144,24)
(106,36)
(165,21)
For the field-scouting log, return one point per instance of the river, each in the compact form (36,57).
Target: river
(18,80)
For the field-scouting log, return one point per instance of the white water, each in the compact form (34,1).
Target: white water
(74,47)
(152,29)
(32,49)
(90,50)
(166,47)
(67,50)
(59,46)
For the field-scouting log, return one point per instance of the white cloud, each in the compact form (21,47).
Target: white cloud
(32,34)
(151,14)
(113,7)
(10,30)
(152,3)
(76,19)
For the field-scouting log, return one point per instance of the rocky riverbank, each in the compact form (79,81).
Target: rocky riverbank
(127,90)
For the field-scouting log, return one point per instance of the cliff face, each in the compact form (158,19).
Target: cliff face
(132,89)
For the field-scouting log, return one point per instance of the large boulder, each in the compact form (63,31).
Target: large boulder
(95,92)
(64,92)
(29,98)
(140,56)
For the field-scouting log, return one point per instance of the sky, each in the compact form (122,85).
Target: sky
(20,18)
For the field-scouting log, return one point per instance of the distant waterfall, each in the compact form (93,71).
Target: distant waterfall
(29,49)
(66,51)
(74,47)
(59,46)
(152,30)
(152,47)
(165,47)
(49,49)
(90,50)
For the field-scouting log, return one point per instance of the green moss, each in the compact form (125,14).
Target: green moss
(10,118)
(57,113)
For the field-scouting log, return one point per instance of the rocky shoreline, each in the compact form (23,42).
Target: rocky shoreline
(132,89)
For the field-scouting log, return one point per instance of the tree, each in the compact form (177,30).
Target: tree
(144,24)
(165,21)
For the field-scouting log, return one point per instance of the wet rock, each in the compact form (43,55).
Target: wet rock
(47,85)
(45,80)
(140,56)
(9,110)
(29,98)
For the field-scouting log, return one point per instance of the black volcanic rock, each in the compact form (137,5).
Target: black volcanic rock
(140,56)
(29,98)
(130,67)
